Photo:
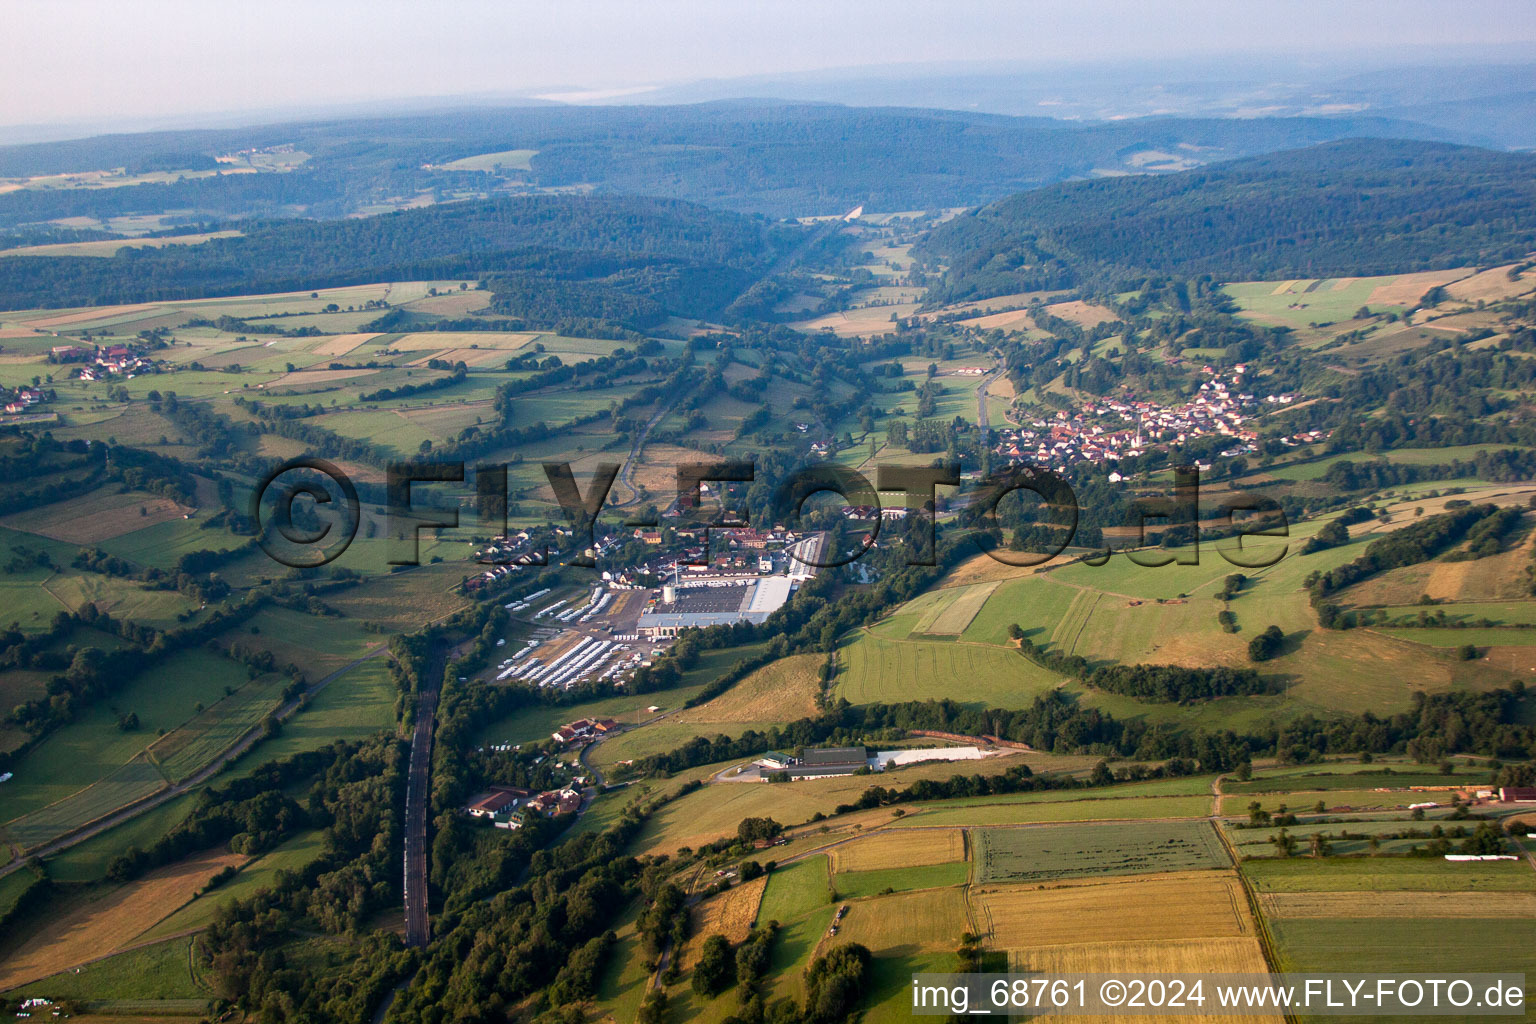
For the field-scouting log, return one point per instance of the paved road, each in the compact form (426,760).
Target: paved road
(981,398)
(233,751)
(418,927)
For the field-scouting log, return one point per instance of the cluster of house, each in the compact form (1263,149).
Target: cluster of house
(864,513)
(511,807)
(584,729)
(1305,437)
(1112,429)
(510,552)
(102,361)
(20,400)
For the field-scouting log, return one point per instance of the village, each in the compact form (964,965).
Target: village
(102,362)
(1110,429)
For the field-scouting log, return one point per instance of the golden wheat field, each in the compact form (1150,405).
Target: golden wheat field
(1172,956)
(905,849)
(1398,904)
(1181,905)
(729,914)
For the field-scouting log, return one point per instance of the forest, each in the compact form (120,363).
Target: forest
(1354,207)
(611,241)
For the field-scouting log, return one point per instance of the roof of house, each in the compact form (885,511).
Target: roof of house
(819,756)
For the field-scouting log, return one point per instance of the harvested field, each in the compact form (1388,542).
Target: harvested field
(730,914)
(1012,319)
(502,341)
(468,356)
(852,323)
(341,344)
(1407,289)
(931,920)
(94,928)
(1398,904)
(909,848)
(1186,905)
(783,691)
(305,378)
(88,315)
(95,517)
(1491,285)
(1082,313)
(1069,851)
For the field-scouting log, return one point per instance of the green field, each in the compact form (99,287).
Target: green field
(358,704)
(1073,851)
(1388,945)
(1357,777)
(1255,842)
(158,972)
(874,669)
(855,884)
(92,748)
(1022,812)
(1369,874)
(202,739)
(1331,299)
(794,891)
(133,781)
(87,861)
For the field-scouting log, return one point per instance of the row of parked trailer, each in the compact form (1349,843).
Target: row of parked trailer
(587,657)
(518,606)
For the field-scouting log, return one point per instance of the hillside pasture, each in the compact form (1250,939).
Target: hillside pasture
(875,669)
(93,748)
(953,612)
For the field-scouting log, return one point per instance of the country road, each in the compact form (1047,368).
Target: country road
(981,399)
(202,775)
(634,450)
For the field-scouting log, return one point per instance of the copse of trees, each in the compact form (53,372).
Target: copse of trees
(1266,645)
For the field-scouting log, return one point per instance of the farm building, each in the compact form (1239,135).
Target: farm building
(496,802)
(825,761)
(1517,794)
(583,728)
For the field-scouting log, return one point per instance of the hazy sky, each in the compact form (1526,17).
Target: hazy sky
(94,60)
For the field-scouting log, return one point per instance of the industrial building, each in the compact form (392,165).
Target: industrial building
(699,607)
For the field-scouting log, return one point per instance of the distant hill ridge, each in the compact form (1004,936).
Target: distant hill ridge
(1357,206)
